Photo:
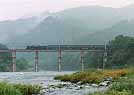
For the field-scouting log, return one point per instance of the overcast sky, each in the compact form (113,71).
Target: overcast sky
(13,9)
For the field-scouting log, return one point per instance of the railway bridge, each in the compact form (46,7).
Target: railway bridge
(59,49)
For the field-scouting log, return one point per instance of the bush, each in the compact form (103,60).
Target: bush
(113,92)
(122,86)
(125,83)
(28,89)
(19,89)
(7,89)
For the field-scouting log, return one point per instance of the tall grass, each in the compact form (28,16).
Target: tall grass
(18,89)
(93,76)
(6,89)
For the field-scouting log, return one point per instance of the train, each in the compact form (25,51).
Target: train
(68,47)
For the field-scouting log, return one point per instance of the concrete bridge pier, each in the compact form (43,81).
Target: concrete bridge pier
(14,60)
(82,60)
(104,59)
(59,61)
(36,60)
(105,56)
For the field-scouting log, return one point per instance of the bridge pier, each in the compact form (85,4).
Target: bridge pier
(105,57)
(59,61)
(82,60)
(36,60)
(14,60)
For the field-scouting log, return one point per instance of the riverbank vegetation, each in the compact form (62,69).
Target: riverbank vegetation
(93,76)
(122,80)
(122,86)
(19,89)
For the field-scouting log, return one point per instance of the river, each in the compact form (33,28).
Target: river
(46,79)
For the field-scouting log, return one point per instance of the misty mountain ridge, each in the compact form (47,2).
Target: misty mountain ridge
(124,27)
(68,25)
(72,24)
(13,28)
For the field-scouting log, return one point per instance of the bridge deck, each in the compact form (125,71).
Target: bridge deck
(24,50)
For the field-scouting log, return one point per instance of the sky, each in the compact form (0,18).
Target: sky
(14,9)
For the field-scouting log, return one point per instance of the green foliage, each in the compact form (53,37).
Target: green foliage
(22,64)
(113,92)
(122,51)
(125,83)
(93,60)
(19,89)
(28,89)
(7,89)
(5,60)
(122,86)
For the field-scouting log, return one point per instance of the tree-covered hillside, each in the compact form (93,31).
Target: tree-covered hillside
(121,55)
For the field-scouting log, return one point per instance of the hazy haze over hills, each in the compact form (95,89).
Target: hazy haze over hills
(13,28)
(124,27)
(73,24)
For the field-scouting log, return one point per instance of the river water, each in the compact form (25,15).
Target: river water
(46,79)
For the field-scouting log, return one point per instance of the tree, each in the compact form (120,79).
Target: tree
(22,64)
(122,51)
(5,59)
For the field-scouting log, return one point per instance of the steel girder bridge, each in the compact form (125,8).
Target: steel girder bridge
(59,49)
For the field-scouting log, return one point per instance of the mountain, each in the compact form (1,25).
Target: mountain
(12,28)
(53,29)
(96,17)
(125,27)
(67,26)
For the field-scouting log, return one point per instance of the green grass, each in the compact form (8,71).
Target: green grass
(114,92)
(122,86)
(18,89)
